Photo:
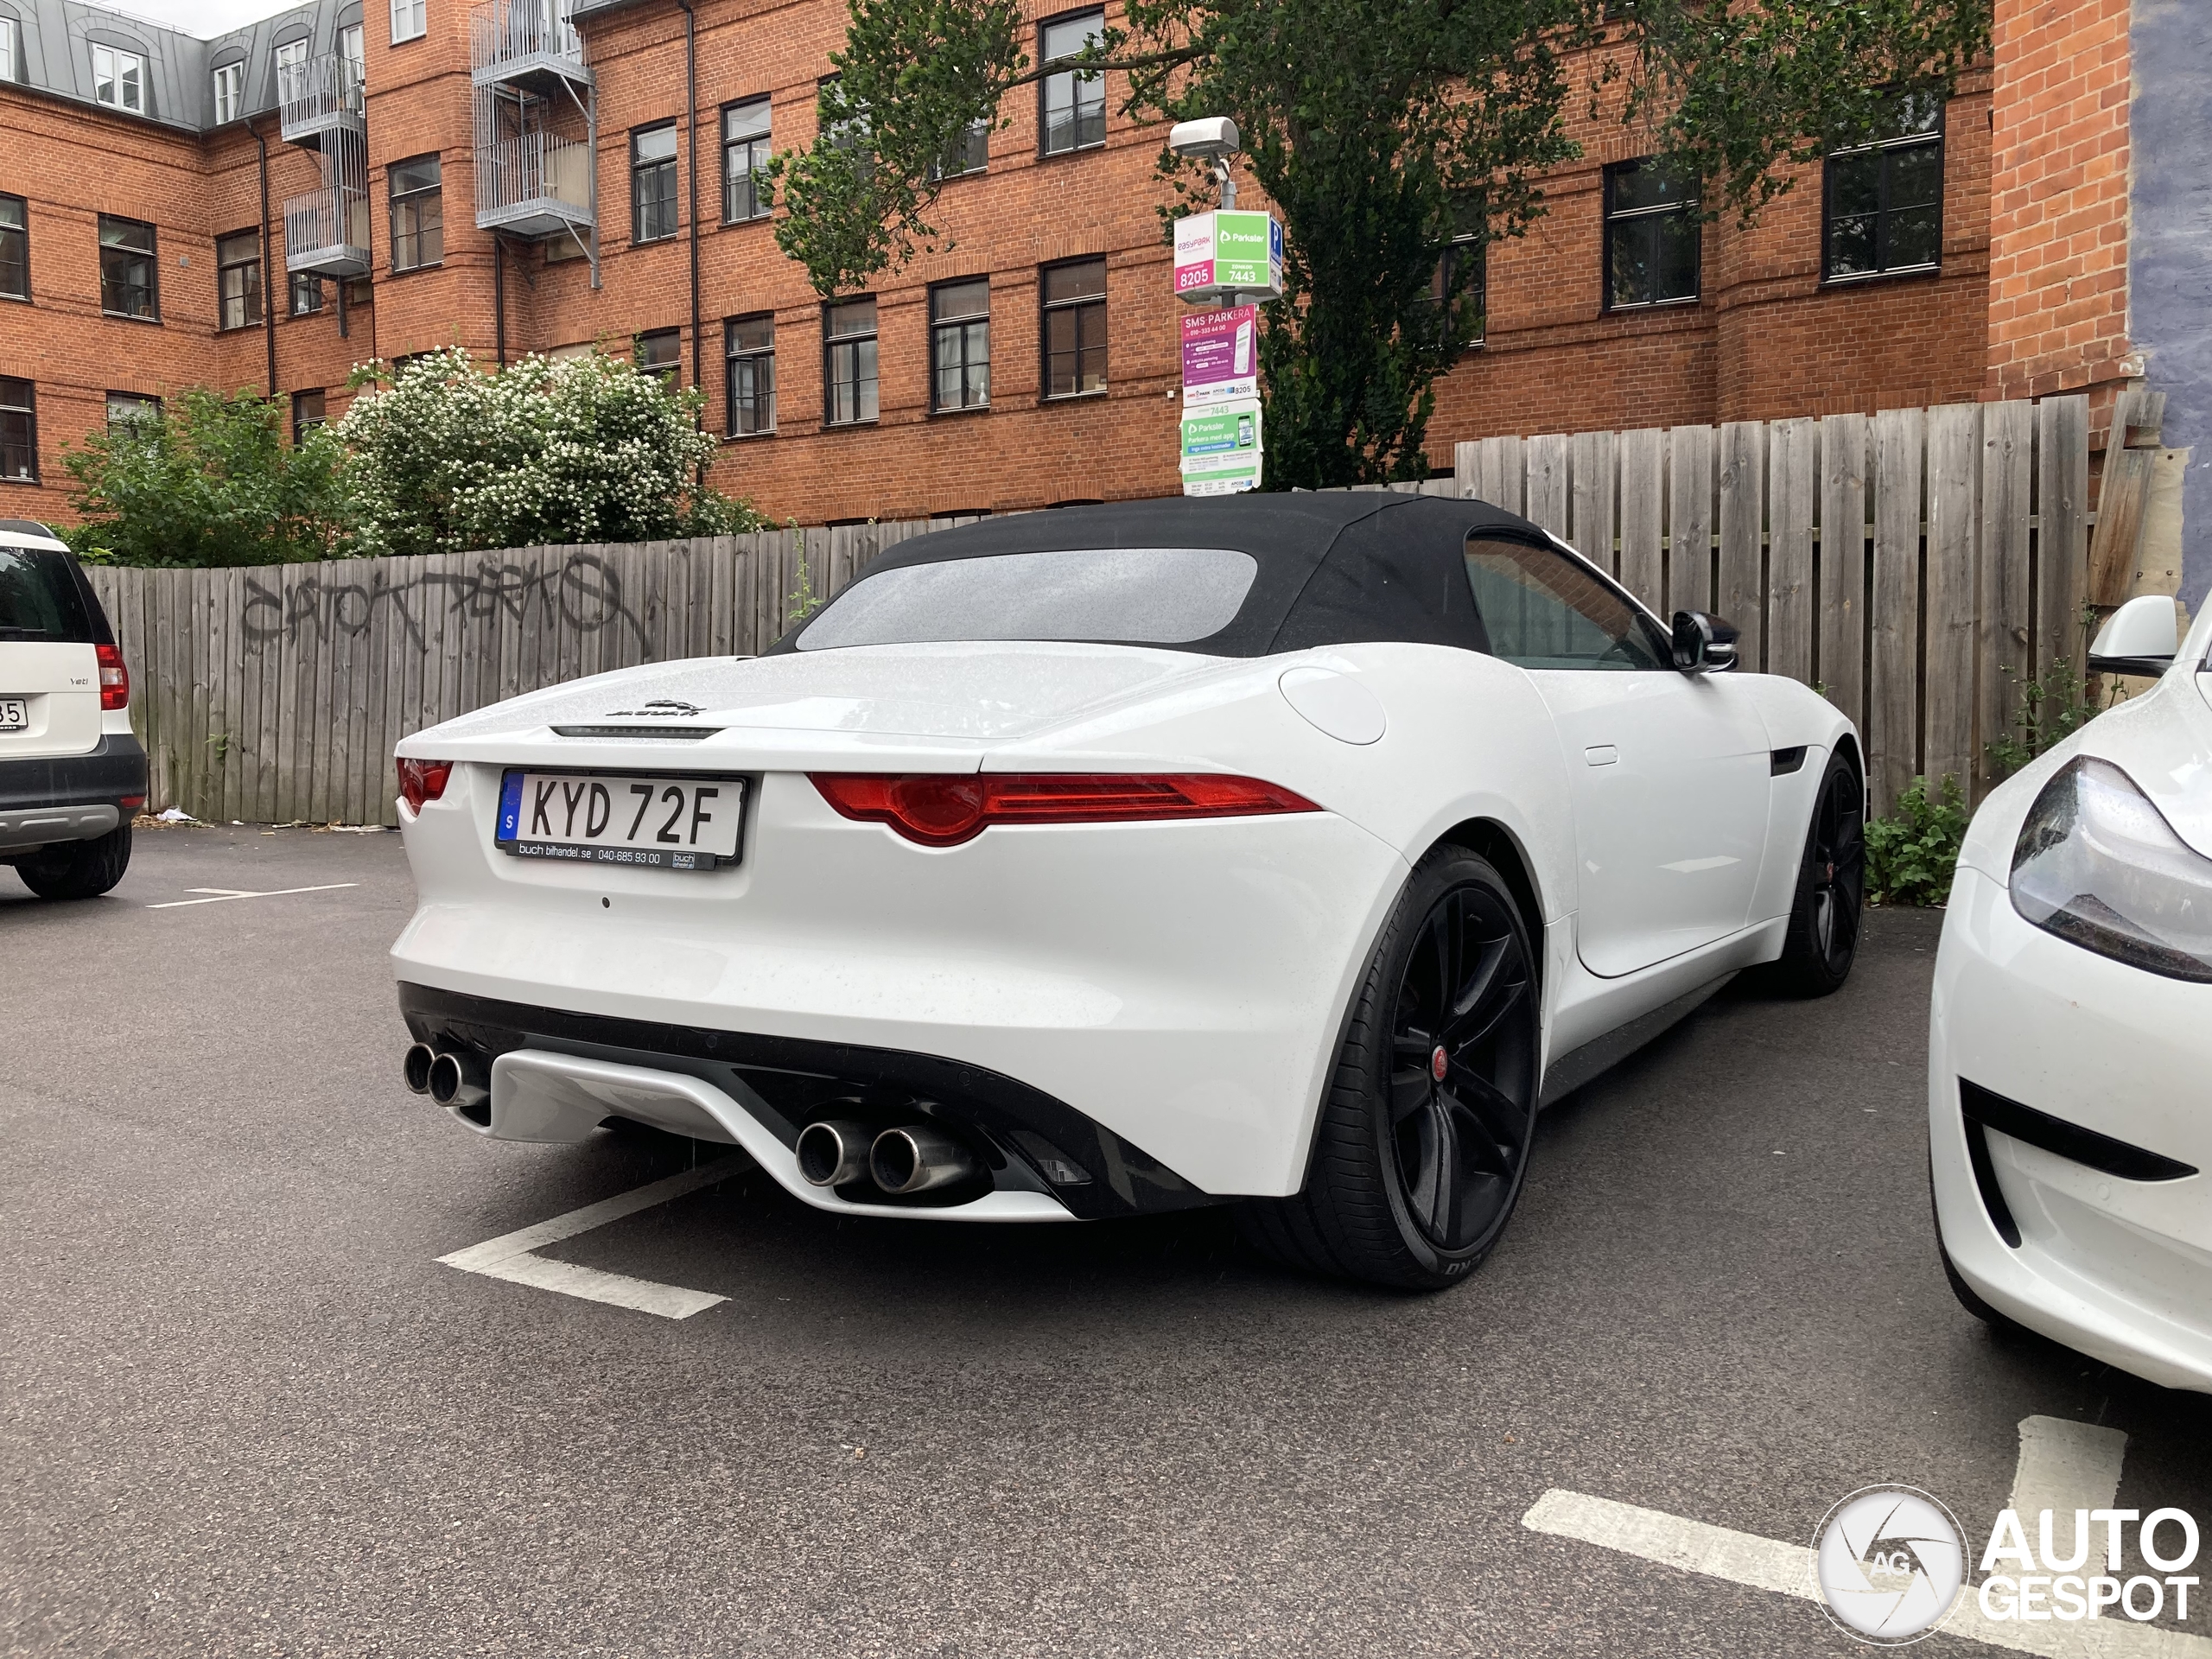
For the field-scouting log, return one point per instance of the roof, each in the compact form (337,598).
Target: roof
(1334,567)
(54,55)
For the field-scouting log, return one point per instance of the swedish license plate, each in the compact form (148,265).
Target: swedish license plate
(15,715)
(669,824)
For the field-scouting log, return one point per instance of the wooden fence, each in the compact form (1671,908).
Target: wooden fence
(1916,566)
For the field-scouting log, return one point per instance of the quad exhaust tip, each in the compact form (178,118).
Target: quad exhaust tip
(831,1152)
(415,1068)
(915,1158)
(455,1081)
(918,1159)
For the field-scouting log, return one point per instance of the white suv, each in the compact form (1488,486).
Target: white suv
(71,775)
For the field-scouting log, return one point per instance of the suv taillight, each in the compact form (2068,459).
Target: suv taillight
(422,780)
(115,678)
(945,810)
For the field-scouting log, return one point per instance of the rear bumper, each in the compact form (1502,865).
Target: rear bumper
(1028,1142)
(71,797)
(2117,1268)
(1181,984)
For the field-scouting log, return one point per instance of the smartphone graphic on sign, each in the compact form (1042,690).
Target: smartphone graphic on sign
(1243,348)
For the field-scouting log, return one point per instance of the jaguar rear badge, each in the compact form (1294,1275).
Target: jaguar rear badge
(665,707)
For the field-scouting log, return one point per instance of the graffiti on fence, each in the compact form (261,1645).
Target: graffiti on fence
(584,593)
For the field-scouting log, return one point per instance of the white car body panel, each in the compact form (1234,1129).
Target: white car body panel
(2120,1269)
(1187,990)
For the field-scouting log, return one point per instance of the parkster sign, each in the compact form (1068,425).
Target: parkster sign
(1227,252)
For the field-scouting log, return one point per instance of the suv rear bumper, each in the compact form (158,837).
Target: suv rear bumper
(70,796)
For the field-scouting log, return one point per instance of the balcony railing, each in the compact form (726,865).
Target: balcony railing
(326,231)
(519,41)
(316,96)
(534,184)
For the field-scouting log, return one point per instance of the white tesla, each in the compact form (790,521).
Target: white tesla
(2071,1027)
(1292,849)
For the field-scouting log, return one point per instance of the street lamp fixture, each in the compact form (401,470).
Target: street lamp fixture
(1215,139)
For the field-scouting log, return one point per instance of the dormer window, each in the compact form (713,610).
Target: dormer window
(119,78)
(229,89)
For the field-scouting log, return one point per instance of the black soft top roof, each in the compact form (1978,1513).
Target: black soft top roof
(1335,568)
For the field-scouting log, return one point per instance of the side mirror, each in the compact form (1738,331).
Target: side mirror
(1704,643)
(2139,638)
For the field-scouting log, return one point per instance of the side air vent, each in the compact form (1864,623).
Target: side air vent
(686,732)
(1781,762)
(2069,1140)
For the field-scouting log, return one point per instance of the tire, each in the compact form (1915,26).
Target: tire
(1824,916)
(1416,1174)
(77,869)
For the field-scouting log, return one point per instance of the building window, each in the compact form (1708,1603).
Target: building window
(960,346)
(237,279)
(119,79)
(1469,255)
(849,362)
(352,46)
(661,352)
(745,152)
(18,431)
(1883,201)
(750,343)
(1074,104)
(230,88)
(1075,329)
(653,184)
(14,249)
(306,294)
(970,153)
(132,408)
(409,20)
(1652,233)
(290,55)
(127,280)
(418,214)
(309,412)
(8,49)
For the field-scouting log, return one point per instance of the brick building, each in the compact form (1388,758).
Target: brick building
(512,179)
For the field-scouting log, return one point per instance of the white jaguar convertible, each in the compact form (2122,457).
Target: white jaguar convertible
(1293,850)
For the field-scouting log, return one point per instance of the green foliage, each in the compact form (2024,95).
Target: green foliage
(805,600)
(1913,855)
(208,481)
(2053,707)
(447,456)
(1382,129)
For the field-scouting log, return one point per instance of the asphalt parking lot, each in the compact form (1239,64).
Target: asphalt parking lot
(244,1409)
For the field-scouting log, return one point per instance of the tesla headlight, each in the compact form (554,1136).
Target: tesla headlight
(2098,865)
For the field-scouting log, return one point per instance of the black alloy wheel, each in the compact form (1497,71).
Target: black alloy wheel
(1423,1139)
(1823,936)
(1460,1112)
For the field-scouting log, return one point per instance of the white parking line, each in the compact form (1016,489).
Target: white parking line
(224,895)
(509,1255)
(2063,1466)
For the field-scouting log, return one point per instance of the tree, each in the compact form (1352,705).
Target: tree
(448,456)
(1381,129)
(207,481)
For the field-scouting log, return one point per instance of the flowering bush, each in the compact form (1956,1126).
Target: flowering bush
(448,456)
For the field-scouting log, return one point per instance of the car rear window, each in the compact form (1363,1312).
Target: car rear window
(1121,596)
(39,598)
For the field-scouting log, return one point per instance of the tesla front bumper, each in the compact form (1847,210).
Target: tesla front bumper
(2098,1240)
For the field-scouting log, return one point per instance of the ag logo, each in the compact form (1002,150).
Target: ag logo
(1890,1562)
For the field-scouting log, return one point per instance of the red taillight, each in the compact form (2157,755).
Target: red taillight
(115,678)
(422,780)
(938,811)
